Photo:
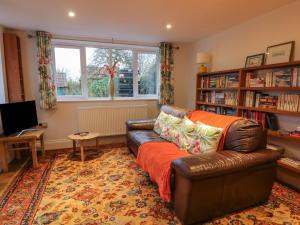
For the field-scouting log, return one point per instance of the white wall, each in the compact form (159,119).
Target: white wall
(2,74)
(2,69)
(182,74)
(61,121)
(230,48)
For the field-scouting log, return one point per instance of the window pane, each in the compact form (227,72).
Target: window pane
(68,71)
(124,78)
(147,73)
(97,79)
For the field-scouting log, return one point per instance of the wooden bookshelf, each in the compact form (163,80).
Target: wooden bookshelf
(217,105)
(284,136)
(201,90)
(219,89)
(296,169)
(266,110)
(242,89)
(270,88)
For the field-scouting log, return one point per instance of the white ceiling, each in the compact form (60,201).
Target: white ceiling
(133,20)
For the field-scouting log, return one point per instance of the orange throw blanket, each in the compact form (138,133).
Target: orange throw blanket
(155,158)
(215,120)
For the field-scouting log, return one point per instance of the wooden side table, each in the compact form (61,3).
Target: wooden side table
(29,137)
(81,139)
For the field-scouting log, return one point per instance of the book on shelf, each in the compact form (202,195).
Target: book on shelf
(220,97)
(219,110)
(284,102)
(220,81)
(291,161)
(289,102)
(286,77)
(259,117)
(282,78)
(255,79)
(232,80)
(204,82)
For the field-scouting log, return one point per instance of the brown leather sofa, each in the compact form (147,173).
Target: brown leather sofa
(214,184)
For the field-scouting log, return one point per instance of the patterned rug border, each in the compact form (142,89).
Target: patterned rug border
(14,183)
(32,209)
(37,197)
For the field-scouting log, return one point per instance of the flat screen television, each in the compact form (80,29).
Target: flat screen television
(17,117)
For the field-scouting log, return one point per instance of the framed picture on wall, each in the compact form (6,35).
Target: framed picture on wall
(280,53)
(255,60)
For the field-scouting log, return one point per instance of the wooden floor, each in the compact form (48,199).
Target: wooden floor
(14,168)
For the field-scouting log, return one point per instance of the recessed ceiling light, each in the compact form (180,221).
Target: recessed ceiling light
(169,26)
(71,14)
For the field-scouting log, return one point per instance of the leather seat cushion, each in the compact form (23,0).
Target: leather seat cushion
(143,136)
(245,136)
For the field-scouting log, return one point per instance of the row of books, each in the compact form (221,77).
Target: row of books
(220,81)
(259,117)
(289,102)
(290,161)
(215,97)
(285,102)
(219,110)
(287,77)
(257,99)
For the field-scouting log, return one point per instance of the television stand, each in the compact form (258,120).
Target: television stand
(30,137)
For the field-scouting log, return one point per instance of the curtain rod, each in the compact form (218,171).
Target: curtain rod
(110,41)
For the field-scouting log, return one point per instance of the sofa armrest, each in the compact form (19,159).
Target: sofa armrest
(220,163)
(147,124)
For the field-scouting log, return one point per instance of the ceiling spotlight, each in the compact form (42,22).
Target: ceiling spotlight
(71,14)
(168,26)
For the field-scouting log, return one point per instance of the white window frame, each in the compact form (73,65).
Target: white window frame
(81,45)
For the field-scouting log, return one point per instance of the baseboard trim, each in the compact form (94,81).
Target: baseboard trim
(66,143)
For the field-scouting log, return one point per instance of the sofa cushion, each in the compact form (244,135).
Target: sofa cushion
(143,136)
(184,138)
(245,136)
(170,131)
(161,122)
(205,139)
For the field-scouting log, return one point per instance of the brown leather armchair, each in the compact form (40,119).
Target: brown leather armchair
(214,184)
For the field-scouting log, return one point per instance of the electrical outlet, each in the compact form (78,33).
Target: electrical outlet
(43,124)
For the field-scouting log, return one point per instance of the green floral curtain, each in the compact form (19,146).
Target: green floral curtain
(47,87)
(166,72)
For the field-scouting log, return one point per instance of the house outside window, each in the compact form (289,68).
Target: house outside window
(80,71)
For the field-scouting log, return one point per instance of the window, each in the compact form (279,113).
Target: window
(124,78)
(147,73)
(80,71)
(68,71)
(97,80)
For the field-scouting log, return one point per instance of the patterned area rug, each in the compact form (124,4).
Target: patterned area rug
(109,188)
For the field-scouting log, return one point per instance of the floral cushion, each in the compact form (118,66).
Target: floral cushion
(195,138)
(184,137)
(205,138)
(160,122)
(170,131)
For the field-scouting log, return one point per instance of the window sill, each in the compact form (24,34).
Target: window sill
(81,99)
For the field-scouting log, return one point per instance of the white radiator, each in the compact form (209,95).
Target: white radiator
(109,120)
